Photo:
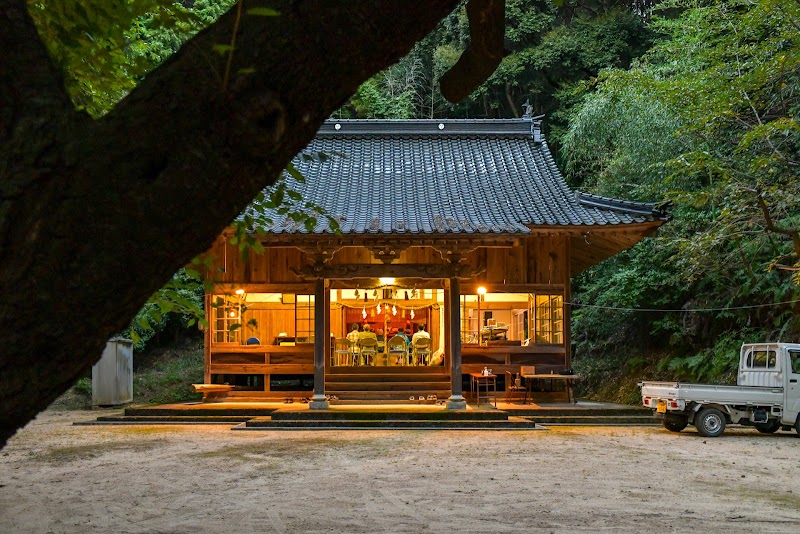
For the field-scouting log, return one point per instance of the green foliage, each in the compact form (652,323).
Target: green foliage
(83,386)
(104,47)
(549,50)
(708,119)
(177,306)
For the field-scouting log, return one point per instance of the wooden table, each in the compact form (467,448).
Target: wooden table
(568,380)
(478,379)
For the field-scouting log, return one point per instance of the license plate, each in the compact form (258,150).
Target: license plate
(662,407)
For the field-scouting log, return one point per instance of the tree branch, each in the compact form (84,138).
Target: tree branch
(119,204)
(486,30)
(793,233)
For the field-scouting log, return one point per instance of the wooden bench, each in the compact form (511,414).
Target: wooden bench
(213,392)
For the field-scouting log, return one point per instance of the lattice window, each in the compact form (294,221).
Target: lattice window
(304,318)
(548,314)
(227,319)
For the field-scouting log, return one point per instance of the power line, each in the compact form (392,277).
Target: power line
(617,308)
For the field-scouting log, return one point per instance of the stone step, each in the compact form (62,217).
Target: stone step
(388,415)
(171,419)
(538,411)
(638,420)
(213,410)
(271,424)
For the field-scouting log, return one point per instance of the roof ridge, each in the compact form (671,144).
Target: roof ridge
(525,126)
(629,206)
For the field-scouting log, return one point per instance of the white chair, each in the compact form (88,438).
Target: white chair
(398,350)
(343,352)
(368,348)
(422,351)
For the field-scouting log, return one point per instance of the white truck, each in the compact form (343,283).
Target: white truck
(767,395)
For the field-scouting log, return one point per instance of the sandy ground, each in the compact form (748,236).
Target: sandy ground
(56,477)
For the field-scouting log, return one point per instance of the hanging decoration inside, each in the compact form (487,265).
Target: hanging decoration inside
(412,314)
(364,313)
(394,310)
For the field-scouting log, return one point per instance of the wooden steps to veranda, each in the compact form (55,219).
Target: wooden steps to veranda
(387,383)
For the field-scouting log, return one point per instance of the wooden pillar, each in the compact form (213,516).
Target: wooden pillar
(318,401)
(567,307)
(207,339)
(456,400)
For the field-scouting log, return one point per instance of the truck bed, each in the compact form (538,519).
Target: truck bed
(708,393)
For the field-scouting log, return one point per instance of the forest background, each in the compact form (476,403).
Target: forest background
(689,101)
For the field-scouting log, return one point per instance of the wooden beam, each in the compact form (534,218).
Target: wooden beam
(471,288)
(376,270)
(303,288)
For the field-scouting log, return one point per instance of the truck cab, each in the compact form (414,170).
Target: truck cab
(773,365)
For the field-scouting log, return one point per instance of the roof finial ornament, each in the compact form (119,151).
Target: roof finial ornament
(528,109)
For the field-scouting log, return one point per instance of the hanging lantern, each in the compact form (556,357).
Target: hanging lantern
(364,313)
(412,314)
(403,314)
(366,298)
(394,310)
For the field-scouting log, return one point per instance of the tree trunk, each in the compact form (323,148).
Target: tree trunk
(97,215)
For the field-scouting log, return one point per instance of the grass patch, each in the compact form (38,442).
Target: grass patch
(167,375)
(75,453)
(269,451)
(749,494)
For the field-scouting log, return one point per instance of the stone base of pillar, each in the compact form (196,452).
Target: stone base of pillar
(318,403)
(456,402)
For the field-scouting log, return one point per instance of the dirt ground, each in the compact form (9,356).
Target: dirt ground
(56,477)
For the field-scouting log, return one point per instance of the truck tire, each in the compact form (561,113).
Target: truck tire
(710,422)
(769,427)
(675,425)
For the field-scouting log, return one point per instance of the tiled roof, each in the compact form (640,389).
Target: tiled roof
(443,177)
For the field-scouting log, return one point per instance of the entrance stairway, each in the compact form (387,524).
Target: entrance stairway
(386,384)
(407,417)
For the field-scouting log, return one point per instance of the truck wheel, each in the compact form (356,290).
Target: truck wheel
(769,427)
(675,426)
(710,422)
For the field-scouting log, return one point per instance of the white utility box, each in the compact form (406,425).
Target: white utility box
(112,376)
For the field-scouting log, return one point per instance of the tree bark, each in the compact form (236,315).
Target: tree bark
(95,215)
